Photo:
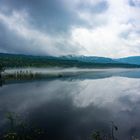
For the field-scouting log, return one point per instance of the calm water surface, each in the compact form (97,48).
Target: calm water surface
(72,108)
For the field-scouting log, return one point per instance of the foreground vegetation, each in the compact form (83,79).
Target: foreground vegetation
(19,129)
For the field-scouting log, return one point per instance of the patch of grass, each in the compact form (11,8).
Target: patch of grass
(20,130)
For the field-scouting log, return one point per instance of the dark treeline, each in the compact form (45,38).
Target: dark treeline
(1,70)
(11,61)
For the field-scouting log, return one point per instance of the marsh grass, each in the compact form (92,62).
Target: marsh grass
(97,135)
(20,130)
(29,75)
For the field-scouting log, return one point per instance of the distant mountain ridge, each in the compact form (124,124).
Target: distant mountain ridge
(90,59)
(96,59)
(130,60)
(21,60)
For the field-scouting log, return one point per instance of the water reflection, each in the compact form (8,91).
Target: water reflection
(72,109)
(68,74)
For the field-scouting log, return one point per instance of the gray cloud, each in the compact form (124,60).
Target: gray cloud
(24,39)
(97,8)
(53,16)
(48,15)
(45,16)
(61,27)
(135,3)
(9,42)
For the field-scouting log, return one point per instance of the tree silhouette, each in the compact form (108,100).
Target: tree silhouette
(1,70)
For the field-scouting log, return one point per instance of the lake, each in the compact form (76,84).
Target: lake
(73,107)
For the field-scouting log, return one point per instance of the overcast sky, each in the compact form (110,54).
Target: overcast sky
(109,28)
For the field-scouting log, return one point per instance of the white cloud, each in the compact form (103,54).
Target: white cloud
(106,39)
(115,32)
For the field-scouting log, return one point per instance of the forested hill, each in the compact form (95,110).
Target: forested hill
(14,60)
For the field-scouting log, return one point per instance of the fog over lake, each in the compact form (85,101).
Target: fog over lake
(71,108)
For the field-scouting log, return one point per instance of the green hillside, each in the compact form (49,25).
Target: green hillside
(13,60)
